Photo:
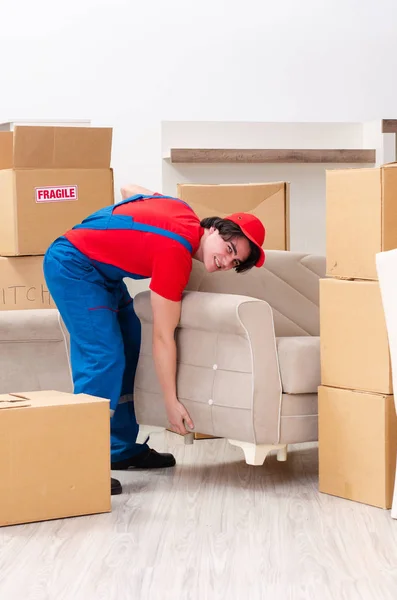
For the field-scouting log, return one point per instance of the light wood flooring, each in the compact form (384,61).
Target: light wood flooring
(211,528)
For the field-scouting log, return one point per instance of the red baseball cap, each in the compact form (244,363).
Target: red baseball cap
(253,229)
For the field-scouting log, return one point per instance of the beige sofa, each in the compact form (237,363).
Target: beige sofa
(33,353)
(248,355)
(249,365)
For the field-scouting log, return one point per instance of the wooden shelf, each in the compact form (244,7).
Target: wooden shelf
(202,155)
(389,126)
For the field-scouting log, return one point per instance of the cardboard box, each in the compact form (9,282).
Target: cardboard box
(361,219)
(353,336)
(357,445)
(268,201)
(22,284)
(54,456)
(56,148)
(39,205)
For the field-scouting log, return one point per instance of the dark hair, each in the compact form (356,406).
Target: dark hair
(229,230)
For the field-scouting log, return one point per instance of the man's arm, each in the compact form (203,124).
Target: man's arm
(132,190)
(166,315)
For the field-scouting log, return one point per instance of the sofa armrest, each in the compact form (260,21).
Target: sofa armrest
(206,311)
(33,352)
(30,325)
(244,317)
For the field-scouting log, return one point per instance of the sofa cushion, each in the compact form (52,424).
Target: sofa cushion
(299,361)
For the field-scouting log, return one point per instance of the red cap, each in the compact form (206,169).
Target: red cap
(253,229)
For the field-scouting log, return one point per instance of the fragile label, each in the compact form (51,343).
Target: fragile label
(60,193)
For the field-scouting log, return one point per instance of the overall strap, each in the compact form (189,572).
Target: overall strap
(137,226)
(105,219)
(98,220)
(164,232)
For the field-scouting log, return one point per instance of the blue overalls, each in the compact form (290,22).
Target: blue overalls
(105,333)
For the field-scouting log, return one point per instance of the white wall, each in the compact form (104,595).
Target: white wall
(131,64)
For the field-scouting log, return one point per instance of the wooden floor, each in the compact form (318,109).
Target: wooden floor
(211,528)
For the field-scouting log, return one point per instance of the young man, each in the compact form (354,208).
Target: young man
(145,235)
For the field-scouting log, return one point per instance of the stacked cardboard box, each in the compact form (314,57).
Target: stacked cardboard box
(357,418)
(50,179)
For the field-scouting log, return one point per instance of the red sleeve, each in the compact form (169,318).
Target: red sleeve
(171,272)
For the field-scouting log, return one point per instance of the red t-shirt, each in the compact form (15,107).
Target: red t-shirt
(165,260)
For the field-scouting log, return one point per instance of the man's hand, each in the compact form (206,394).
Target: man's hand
(178,416)
(132,190)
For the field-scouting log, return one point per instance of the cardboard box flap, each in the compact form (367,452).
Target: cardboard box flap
(13,401)
(33,147)
(227,198)
(6,149)
(49,398)
(78,147)
(61,147)
(271,207)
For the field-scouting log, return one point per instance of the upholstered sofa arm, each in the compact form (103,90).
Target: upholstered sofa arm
(225,313)
(246,368)
(33,353)
(30,325)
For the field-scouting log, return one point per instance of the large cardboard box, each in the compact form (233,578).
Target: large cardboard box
(353,336)
(56,148)
(38,205)
(268,201)
(357,445)
(54,456)
(361,219)
(22,284)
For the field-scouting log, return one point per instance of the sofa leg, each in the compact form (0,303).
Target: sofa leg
(282,453)
(255,454)
(145,431)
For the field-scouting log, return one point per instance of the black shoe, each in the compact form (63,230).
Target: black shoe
(115,487)
(149,459)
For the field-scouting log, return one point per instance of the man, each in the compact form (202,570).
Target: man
(145,235)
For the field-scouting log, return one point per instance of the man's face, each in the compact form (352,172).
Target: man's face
(219,255)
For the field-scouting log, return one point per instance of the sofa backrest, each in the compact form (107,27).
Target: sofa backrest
(288,281)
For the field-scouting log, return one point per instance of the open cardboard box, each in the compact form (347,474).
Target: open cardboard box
(268,201)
